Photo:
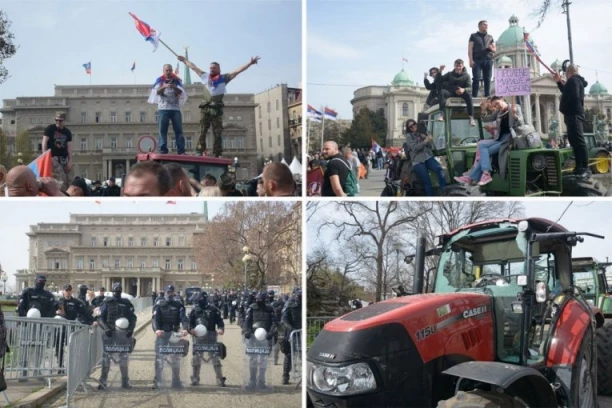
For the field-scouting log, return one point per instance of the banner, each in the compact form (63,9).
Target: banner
(512,82)
(314,182)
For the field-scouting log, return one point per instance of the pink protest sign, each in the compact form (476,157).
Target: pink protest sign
(512,82)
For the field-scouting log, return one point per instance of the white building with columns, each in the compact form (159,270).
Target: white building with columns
(402,99)
(144,252)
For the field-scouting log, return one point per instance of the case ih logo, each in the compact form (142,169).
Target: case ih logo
(475,312)
(327,355)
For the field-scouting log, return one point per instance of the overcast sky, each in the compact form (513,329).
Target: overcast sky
(352,44)
(56,38)
(18,215)
(582,216)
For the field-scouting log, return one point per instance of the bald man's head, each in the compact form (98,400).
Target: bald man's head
(21,182)
(277,180)
(572,69)
(330,149)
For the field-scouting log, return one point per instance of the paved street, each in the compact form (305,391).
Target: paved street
(206,395)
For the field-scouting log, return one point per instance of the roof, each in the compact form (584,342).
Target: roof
(513,35)
(402,79)
(539,223)
(598,89)
(183,158)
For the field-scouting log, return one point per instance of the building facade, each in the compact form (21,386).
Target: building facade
(274,139)
(295,124)
(402,99)
(108,121)
(143,252)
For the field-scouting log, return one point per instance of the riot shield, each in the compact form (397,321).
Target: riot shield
(170,351)
(257,358)
(295,341)
(207,353)
(116,351)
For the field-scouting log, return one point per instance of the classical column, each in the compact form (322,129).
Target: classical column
(123,284)
(138,292)
(557,105)
(527,109)
(108,169)
(538,116)
(127,166)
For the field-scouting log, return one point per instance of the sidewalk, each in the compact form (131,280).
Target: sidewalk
(34,393)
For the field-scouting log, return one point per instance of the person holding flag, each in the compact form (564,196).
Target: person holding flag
(211,109)
(58,138)
(169,95)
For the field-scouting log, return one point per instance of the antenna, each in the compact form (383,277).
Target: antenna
(562,214)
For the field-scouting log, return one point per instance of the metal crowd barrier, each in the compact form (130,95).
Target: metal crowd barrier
(314,325)
(295,340)
(141,304)
(84,353)
(36,346)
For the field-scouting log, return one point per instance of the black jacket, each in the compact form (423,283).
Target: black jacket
(451,81)
(572,96)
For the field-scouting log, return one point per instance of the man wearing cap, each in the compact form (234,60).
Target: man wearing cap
(58,139)
(72,309)
(113,190)
(96,189)
(112,309)
(227,185)
(211,109)
(168,317)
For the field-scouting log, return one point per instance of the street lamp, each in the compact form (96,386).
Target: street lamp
(397,246)
(245,260)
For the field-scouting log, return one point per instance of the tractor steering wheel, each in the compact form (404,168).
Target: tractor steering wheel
(485,278)
(465,141)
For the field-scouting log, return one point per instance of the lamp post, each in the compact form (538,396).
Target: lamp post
(397,246)
(245,260)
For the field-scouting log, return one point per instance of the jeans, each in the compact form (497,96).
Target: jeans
(575,136)
(379,163)
(164,117)
(467,98)
(421,170)
(487,148)
(486,66)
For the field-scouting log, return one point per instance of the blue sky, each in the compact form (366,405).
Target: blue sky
(14,243)
(57,37)
(362,42)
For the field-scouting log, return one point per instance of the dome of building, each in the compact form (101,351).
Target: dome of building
(505,61)
(598,89)
(556,66)
(402,79)
(513,35)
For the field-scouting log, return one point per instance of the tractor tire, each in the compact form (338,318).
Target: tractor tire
(602,165)
(481,399)
(604,357)
(584,188)
(583,389)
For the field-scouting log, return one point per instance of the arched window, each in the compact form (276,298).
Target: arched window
(405,109)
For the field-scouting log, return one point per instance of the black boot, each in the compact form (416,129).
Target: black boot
(125,380)
(195,378)
(252,378)
(104,377)
(286,368)
(176,378)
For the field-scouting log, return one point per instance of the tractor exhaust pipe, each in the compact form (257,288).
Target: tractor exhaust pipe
(419,271)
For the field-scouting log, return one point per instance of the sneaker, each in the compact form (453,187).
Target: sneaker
(463,179)
(472,122)
(485,179)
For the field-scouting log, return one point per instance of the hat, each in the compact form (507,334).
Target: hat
(67,286)
(226,181)
(80,183)
(170,288)
(60,115)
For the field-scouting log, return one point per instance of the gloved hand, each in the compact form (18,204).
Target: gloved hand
(269,336)
(129,333)
(247,335)
(109,333)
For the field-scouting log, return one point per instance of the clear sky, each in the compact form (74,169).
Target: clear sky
(18,215)
(582,216)
(56,37)
(362,42)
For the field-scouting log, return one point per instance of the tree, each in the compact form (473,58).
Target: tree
(23,145)
(270,231)
(542,10)
(591,115)
(366,125)
(4,154)
(7,48)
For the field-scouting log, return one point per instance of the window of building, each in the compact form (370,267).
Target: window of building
(113,143)
(143,116)
(143,264)
(279,140)
(278,123)
(92,264)
(188,142)
(83,144)
(180,265)
(94,241)
(231,118)
(84,175)
(117,264)
(270,141)
(105,241)
(224,142)
(259,109)
(128,117)
(268,107)
(609,113)
(105,263)
(156,241)
(118,241)
(131,241)
(83,117)
(238,117)
(113,117)
(167,264)
(98,117)
(156,263)
(181,241)
(128,142)
(143,241)
(194,266)
(261,144)
(168,241)
(269,124)
(130,263)
(277,105)
(405,109)
(99,143)
(80,263)
(187,117)
(260,129)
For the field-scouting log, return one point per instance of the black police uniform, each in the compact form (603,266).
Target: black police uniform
(259,314)
(168,316)
(208,315)
(97,301)
(74,309)
(278,306)
(291,320)
(83,294)
(231,308)
(113,308)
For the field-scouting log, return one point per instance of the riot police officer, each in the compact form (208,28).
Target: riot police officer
(291,320)
(259,315)
(83,294)
(356,304)
(168,317)
(113,308)
(277,305)
(38,298)
(98,300)
(210,317)
(232,300)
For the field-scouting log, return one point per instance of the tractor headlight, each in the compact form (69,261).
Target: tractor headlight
(348,380)
(538,162)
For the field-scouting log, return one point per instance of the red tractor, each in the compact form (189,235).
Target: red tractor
(503,327)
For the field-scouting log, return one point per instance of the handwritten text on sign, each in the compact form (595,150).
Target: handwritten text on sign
(512,81)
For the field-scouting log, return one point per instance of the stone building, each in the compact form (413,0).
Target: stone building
(107,122)
(295,125)
(143,252)
(275,141)
(402,99)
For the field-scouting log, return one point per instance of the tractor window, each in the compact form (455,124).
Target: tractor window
(436,128)
(462,134)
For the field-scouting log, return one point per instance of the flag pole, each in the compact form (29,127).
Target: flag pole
(166,45)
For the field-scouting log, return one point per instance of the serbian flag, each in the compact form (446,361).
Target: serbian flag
(174,79)
(42,166)
(87,67)
(314,114)
(150,34)
(330,113)
(133,66)
(375,146)
(535,53)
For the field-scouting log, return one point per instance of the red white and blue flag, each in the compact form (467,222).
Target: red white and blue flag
(150,34)
(330,113)
(535,53)
(133,66)
(314,114)
(42,166)
(87,67)
(375,146)
(174,79)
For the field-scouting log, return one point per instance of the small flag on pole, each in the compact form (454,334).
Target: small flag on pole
(330,113)
(150,34)
(133,66)
(404,59)
(87,67)
(375,146)
(176,71)
(314,114)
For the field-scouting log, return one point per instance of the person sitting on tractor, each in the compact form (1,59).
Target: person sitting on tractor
(420,149)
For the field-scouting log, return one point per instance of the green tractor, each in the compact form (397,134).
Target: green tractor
(530,172)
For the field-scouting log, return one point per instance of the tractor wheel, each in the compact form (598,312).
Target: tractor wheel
(604,357)
(583,390)
(481,399)
(602,163)
(583,188)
